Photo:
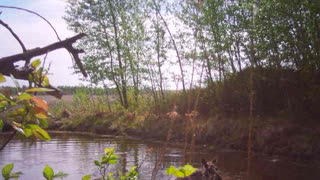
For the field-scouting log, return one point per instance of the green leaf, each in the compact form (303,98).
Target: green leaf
(44,123)
(42,134)
(39,90)
(109,150)
(2,78)
(45,81)
(27,132)
(86,177)
(18,112)
(104,160)
(6,170)
(97,163)
(38,132)
(113,159)
(171,170)
(24,96)
(36,63)
(1,125)
(188,170)
(132,174)
(32,126)
(184,171)
(48,173)
(179,174)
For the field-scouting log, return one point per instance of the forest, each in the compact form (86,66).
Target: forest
(206,46)
(235,74)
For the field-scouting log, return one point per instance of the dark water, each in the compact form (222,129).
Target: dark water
(74,154)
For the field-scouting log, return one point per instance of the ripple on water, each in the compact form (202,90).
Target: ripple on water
(74,154)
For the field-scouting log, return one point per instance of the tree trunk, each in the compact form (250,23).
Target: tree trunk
(122,78)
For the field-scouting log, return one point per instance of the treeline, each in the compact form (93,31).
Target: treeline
(205,48)
(66,90)
(70,90)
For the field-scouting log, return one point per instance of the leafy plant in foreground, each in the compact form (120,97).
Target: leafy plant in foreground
(26,113)
(49,174)
(8,174)
(111,158)
(183,171)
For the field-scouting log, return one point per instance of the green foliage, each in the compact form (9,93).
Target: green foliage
(25,112)
(49,174)
(86,177)
(36,63)
(132,174)
(93,90)
(111,158)
(39,90)
(8,174)
(108,158)
(6,170)
(183,171)
(37,131)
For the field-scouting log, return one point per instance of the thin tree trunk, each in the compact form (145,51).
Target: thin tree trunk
(207,62)
(231,61)
(238,55)
(112,69)
(158,58)
(175,47)
(123,81)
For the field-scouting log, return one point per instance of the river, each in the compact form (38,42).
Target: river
(74,153)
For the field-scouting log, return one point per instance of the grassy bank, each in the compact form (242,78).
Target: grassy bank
(271,135)
(285,113)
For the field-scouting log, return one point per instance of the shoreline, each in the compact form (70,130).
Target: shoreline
(278,148)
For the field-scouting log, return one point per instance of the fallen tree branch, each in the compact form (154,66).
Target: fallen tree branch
(67,44)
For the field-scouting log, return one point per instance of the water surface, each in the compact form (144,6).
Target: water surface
(74,154)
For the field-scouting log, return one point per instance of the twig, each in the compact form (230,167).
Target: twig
(14,35)
(32,12)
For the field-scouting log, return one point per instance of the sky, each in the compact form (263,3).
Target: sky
(35,32)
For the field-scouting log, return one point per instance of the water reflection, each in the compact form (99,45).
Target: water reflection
(74,154)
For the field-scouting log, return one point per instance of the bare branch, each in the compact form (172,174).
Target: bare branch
(14,35)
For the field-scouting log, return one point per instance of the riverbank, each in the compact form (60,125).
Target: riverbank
(276,137)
